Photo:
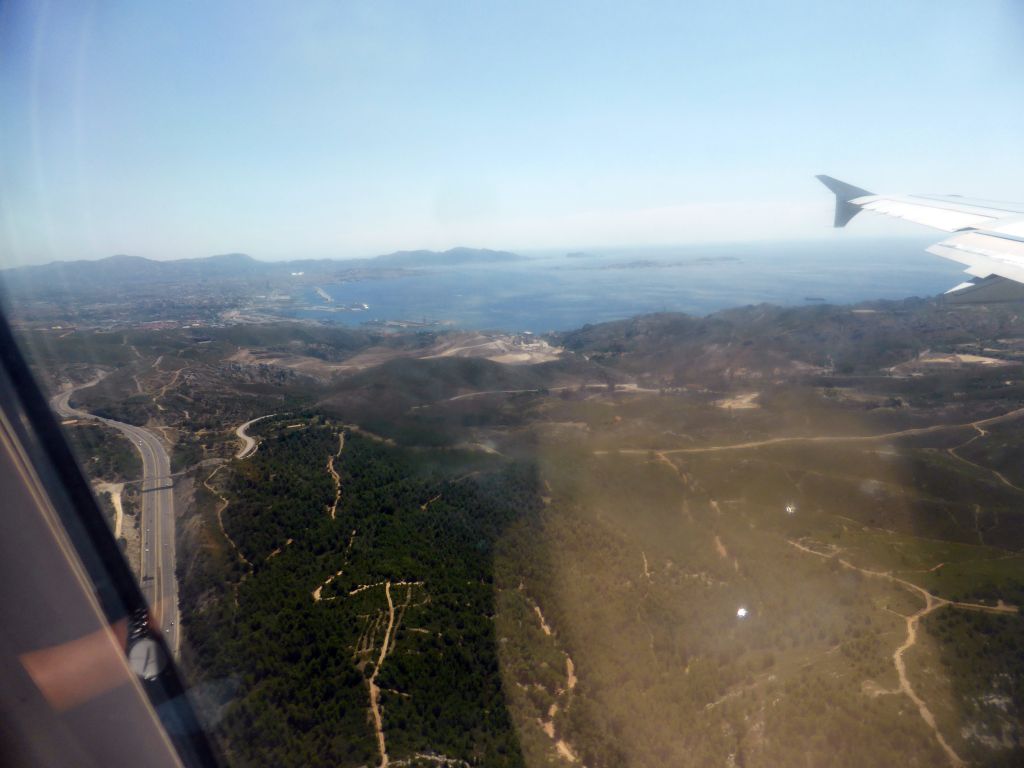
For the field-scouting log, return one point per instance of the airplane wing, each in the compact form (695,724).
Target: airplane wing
(987,236)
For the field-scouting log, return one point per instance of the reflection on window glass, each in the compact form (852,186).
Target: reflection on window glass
(487,385)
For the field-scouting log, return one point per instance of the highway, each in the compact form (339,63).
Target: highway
(158,578)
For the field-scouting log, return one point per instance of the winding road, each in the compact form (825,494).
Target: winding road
(158,578)
(248,443)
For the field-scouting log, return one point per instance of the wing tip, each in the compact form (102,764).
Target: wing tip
(845,210)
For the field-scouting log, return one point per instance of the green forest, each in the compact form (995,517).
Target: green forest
(295,619)
(983,655)
(103,453)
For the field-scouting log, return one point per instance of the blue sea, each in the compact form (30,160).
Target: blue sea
(553,292)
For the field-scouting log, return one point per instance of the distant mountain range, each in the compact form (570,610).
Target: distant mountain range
(124,270)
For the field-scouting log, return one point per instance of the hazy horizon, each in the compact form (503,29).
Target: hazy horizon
(328,129)
(919,237)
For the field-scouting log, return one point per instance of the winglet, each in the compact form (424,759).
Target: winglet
(845,210)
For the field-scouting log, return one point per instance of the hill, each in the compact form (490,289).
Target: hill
(124,269)
(767,340)
(769,536)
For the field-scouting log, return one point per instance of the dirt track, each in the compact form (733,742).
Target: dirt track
(378,723)
(822,438)
(334,474)
(220,516)
(932,603)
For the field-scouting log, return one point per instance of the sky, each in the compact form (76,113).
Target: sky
(315,128)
